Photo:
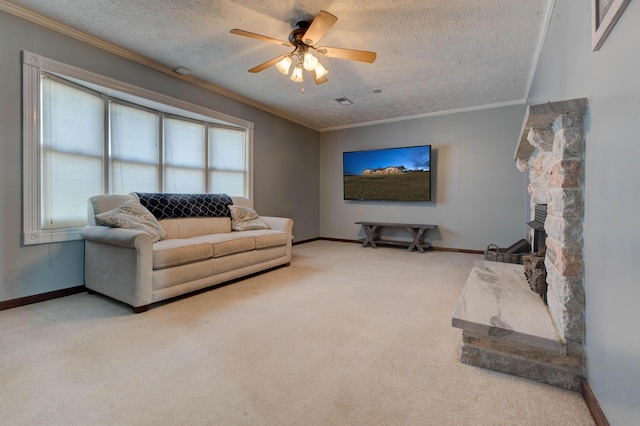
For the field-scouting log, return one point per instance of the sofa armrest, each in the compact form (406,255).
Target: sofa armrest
(283,224)
(119,263)
(116,236)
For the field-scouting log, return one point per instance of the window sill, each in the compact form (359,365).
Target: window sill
(51,236)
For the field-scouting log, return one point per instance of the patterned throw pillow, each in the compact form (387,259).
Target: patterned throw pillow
(164,206)
(132,215)
(246,219)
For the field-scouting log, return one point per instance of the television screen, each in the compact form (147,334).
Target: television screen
(389,174)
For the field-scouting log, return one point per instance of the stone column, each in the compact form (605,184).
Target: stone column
(552,153)
(564,260)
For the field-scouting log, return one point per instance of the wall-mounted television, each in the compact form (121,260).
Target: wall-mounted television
(388,174)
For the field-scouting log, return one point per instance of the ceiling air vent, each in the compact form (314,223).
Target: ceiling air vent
(344,101)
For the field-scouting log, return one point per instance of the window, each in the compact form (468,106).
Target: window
(184,156)
(226,161)
(71,154)
(134,166)
(85,134)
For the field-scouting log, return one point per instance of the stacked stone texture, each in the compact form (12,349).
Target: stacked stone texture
(556,176)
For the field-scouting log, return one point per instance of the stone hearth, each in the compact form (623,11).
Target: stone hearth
(500,331)
(507,328)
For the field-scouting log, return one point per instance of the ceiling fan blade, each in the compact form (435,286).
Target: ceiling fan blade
(267,64)
(260,37)
(350,54)
(320,25)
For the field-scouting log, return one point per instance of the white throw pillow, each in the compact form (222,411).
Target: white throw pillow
(132,215)
(246,219)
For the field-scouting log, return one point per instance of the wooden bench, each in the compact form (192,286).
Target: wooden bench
(417,232)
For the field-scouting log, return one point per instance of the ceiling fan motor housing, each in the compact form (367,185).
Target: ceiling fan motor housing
(295,37)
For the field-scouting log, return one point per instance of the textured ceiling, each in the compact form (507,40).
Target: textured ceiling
(433,55)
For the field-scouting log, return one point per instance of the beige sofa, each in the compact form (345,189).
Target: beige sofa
(198,252)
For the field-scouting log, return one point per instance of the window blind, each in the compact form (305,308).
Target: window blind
(134,149)
(184,156)
(72,153)
(227,161)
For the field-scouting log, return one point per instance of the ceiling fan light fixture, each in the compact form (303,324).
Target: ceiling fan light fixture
(319,80)
(296,75)
(321,71)
(310,61)
(284,64)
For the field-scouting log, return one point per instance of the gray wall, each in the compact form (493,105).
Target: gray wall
(285,156)
(609,78)
(479,195)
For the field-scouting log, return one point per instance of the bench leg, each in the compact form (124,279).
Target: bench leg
(370,231)
(417,238)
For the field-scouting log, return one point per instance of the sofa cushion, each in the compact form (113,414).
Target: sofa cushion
(174,252)
(270,238)
(170,277)
(229,243)
(232,246)
(132,215)
(245,219)
(249,259)
(188,227)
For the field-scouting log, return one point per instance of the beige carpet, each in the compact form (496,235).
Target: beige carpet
(344,336)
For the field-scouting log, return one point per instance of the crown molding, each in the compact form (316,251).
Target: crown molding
(542,36)
(425,115)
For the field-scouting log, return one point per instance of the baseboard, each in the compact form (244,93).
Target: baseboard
(455,250)
(339,240)
(295,243)
(36,298)
(592,404)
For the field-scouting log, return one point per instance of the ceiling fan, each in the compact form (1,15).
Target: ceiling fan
(304,39)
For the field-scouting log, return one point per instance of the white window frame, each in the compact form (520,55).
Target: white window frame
(32,67)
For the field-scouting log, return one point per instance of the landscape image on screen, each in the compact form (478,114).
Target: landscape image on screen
(390,174)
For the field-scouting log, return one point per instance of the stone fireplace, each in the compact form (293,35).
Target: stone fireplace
(506,326)
(551,151)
